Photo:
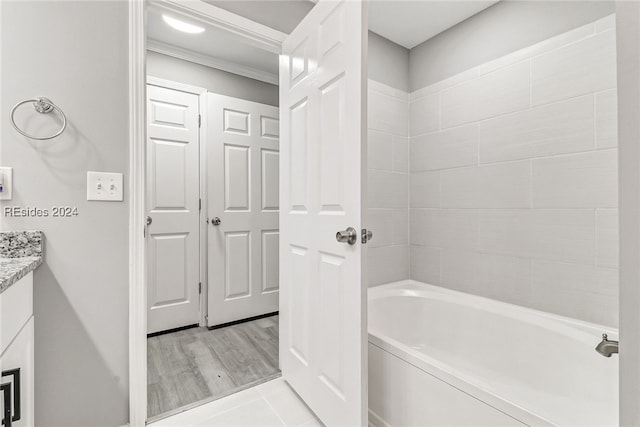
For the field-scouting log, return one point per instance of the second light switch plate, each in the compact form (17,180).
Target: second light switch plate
(105,186)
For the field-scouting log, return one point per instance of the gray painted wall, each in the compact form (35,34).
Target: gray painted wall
(81,292)
(216,81)
(628,44)
(388,62)
(503,28)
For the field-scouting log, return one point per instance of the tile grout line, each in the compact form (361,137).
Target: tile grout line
(274,410)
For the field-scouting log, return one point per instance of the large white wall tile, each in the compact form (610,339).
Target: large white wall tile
(504,61)
(563,127)
(454,80)
(551,234)
(606,23)
(424,189)
(388,264)
(503,185)
(576,180)
(563,39)
(374,86)
(608,237)
(522,170)
(446,228)
(425,264)
(583,67)
(499,277)
(400,154)
(458,187)
(388,184)
(400,227)
(607,119)
(388,114)
(388,189)
(424,114)
(447,149)
(380,222)
(579,291)
(379,150)
(503,91)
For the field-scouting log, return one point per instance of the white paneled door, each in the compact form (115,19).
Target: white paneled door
(173,209)
(243,205)
(323,329)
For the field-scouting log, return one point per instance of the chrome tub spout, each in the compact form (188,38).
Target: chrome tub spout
(607,347)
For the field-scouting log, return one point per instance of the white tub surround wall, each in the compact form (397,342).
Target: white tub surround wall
(513,177)
(388,184)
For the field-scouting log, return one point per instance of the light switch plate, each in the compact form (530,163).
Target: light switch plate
(105,186)
(6,177)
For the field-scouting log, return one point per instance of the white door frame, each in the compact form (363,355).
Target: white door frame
(254,33)
(202,156)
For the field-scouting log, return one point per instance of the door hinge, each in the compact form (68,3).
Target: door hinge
(199,121)
(200,287)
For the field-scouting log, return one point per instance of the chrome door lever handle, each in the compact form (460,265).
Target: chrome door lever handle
(350,236)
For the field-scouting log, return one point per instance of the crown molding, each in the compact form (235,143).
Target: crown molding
(210,61)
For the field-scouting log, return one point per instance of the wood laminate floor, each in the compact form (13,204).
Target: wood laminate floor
(196,364)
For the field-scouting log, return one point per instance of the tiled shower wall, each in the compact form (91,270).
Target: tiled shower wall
(513,178)
(388,183)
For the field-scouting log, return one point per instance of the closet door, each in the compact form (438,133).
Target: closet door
(173,190)
(242,175)
(323,328)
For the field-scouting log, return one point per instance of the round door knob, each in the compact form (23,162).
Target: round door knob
(216,221)
(149,220)
(350,236)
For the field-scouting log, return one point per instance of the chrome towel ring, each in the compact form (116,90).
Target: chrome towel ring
(43,106)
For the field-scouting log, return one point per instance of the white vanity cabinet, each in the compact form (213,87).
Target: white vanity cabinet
(16,353)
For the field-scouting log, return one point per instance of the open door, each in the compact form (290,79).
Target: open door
(323,328)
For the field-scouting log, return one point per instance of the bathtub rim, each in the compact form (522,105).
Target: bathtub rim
(455,378)
(495,306)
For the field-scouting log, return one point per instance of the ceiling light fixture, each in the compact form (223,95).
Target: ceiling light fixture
(182,26)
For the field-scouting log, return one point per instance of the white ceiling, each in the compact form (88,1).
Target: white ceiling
(409,23)
(220,48)
(282,15)
(405,22)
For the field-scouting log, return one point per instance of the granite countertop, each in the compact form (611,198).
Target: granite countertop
(21,252)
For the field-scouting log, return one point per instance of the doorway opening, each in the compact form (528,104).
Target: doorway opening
(212,205)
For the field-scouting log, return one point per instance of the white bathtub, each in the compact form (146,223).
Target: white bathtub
(440,357)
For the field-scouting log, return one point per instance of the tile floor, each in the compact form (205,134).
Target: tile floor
(273,403)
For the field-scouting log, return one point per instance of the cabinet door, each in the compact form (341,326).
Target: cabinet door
(20,355)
